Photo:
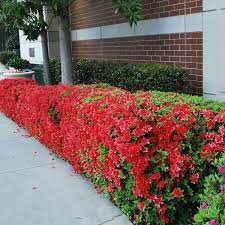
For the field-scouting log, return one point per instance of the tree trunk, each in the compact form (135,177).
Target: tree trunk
(45,52)
(46,64)
(65,48)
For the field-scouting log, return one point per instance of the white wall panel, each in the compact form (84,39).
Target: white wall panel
(209,5)
(221,54)
(210,53)
(167,25)
(24,51)
(214,49)
(117,30)
(193,22)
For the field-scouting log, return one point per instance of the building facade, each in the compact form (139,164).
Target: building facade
(185,33)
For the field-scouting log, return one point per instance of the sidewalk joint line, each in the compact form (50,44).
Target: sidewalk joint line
(28,168)
(110,220)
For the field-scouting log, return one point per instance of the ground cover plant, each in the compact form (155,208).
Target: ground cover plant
(148,152)
(212,206)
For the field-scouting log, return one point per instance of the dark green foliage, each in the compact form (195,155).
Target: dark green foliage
(131,77)
(6,56)
(129,9)
(55,69)
(13,41)
(25,16)
(19,63)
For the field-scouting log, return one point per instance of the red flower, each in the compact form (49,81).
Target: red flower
(194,178)
(177,193)
(141,206)
(161,184)
(110,188)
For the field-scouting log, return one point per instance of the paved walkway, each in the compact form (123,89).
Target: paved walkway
(36,188)
(2,69)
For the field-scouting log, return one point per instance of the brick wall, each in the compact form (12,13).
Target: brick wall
(92,13)
(177,49)
(184,50)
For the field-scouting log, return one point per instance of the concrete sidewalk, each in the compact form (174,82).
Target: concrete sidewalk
(36,188)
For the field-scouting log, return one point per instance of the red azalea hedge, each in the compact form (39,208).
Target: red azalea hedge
(149,160)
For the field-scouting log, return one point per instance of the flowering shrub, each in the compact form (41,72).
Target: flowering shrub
(149,157)
(212,207)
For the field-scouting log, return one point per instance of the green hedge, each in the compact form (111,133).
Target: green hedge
(6,56)
(131,77)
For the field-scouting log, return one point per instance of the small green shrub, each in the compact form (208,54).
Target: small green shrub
(19,63)
(6,56)
(212,206)
(131,77)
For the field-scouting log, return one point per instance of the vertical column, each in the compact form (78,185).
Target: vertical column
(210,49)
(221,50)
(214,49)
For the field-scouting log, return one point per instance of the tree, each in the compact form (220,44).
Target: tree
(129,9)
(60,9)
(28,16)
